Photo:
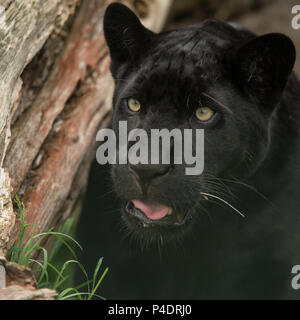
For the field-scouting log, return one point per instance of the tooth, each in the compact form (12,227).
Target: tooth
(145,225)
(170,212)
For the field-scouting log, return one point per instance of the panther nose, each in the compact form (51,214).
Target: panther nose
(146,173)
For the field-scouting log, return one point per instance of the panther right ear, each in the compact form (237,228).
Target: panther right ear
(263,66)
(126,37)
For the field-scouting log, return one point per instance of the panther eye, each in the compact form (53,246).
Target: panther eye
(134,105)
(204,113)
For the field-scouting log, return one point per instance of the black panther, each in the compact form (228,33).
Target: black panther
(233,231)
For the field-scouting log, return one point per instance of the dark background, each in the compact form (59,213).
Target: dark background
(260,16)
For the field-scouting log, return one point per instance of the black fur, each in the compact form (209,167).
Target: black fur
(251,161)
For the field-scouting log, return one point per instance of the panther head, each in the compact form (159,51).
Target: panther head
(212,76)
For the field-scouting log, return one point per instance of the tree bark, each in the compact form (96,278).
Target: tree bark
(56,91)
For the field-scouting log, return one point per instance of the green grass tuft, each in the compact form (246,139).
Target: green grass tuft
(48,272)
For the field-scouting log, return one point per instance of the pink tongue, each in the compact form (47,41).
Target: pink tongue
(154,211)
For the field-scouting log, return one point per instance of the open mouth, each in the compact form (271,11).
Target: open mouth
(154,214)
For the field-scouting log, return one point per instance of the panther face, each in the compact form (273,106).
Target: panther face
(212,77)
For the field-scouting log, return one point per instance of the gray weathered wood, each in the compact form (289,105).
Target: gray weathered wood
(23,31)
(24,28)
(7,217)
(19,293)
(2,276)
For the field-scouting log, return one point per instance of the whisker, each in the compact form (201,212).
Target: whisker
(220,188)
(224,201)
(252,189)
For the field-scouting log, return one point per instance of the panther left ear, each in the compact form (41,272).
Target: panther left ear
(125,35)
(263,66)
